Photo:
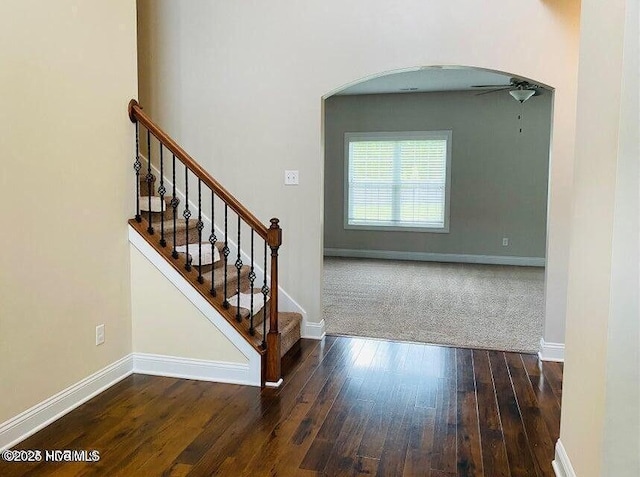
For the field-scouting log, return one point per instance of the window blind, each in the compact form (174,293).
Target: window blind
(397,183)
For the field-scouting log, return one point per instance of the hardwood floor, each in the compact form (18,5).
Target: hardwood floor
(349,406)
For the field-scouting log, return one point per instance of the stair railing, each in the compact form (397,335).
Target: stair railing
(154,216)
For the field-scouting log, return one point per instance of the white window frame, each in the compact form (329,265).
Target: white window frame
(398,136)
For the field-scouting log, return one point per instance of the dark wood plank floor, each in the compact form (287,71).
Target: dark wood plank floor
(349,406)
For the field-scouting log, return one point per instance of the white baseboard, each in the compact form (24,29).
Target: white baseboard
(562,465)
(198,369)
(254,376)
(286,303)
(32,420)
(313,331)
(436,257)
(37,417)
(551,351)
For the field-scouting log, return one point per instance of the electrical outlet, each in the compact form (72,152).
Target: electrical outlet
(99,334)
(505,241)
(290,177)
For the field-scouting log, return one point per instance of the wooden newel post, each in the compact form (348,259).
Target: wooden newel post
(273,372)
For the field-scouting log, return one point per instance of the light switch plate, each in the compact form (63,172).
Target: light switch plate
(290,177)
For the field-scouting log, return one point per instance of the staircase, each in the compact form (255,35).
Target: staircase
(217,255)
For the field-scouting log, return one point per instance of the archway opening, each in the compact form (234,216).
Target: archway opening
(435,207)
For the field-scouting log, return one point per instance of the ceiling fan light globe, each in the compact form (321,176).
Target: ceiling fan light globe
(521,94)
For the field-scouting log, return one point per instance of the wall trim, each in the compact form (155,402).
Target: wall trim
(285,301)
(27,423)
(436,257)
(551,351)
(562,465)
(254,376)
(313,331)
(189,368)
(44,413)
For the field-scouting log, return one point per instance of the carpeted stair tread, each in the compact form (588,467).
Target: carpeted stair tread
(289,324)
(144,185)
(157,205)
(181,236)
(206,248)
(181,224)
(258,314)
(232,276)
(168,210)
(181,228)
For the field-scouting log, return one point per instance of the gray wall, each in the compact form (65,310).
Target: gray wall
(499,175)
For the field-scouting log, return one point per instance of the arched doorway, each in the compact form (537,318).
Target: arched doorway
(435,213)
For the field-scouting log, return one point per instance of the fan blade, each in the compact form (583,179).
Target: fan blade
(491,86)
(494,91)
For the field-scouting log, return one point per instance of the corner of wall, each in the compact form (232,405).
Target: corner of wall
(562,465)
(551,351)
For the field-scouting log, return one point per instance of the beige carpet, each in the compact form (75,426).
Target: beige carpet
(466,305)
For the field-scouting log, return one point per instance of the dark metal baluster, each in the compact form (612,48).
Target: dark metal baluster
(186,214)
(162,191)
(238,268)
(265,291)
(149,180)
(200,226)
(252,278)
(225,252)
(137,165)
(212,241)
(174,206)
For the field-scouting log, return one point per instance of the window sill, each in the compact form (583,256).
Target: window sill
(398,228)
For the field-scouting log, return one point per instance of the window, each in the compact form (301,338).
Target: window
(398,181)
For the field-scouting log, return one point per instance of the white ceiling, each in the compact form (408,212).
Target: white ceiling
(428,80)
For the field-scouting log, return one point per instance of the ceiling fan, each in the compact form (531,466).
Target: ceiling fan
(520,90)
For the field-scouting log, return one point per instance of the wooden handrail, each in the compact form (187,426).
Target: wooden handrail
(137,114)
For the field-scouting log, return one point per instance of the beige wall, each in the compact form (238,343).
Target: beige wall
(68,71)
(240,85)
(621,443)
(600,427)
(165,322)
(499,175)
